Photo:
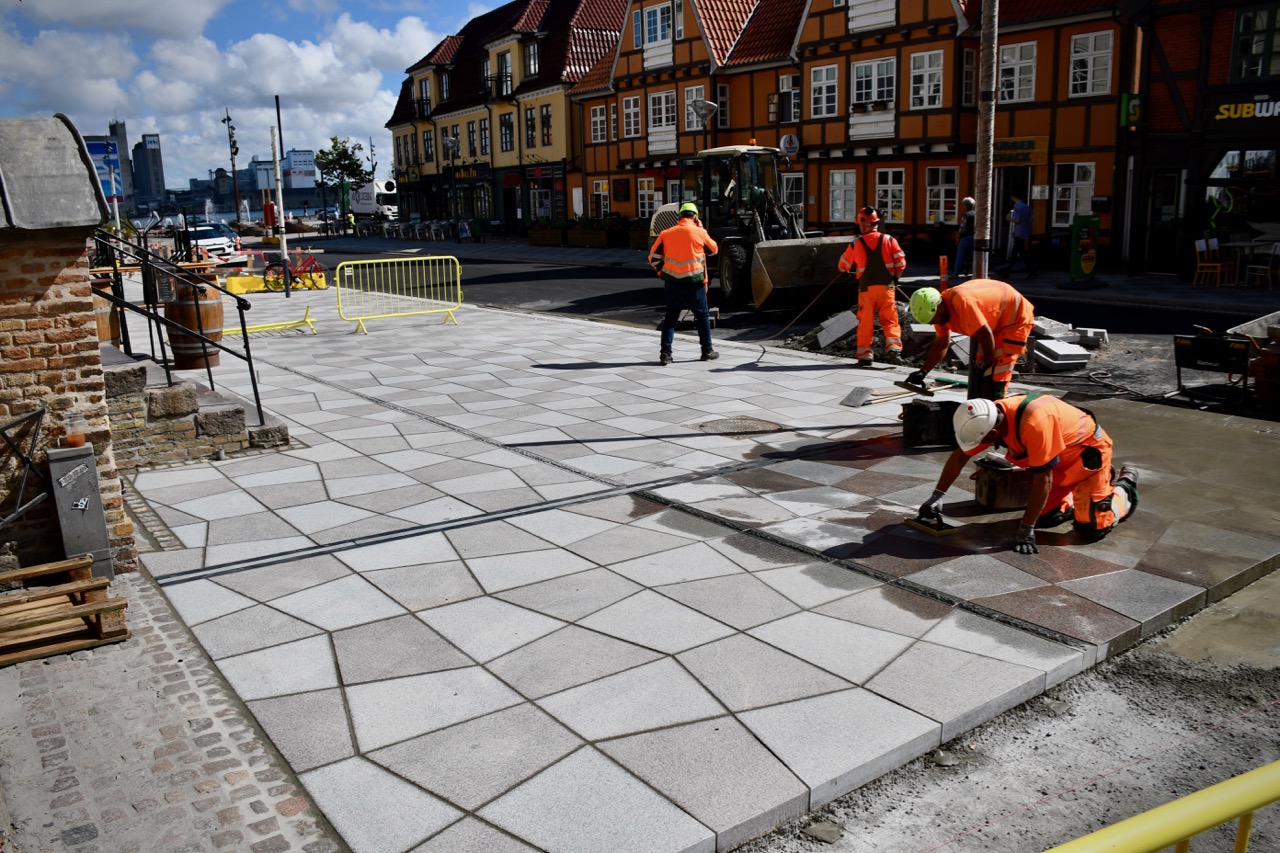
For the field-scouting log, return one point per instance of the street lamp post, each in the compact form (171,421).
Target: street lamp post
(235,149)
(705,110)
(451,144)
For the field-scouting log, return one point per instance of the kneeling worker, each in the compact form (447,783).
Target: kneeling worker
(998,320)
(679,256)
(1066,450)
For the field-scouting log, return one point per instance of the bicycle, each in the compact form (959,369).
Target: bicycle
(273,275)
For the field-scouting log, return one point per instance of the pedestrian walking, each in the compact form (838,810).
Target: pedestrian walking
(996,317)
(351,221)
(877,261)
(679,256)
(1065,449)
(964,246)
(1020,217)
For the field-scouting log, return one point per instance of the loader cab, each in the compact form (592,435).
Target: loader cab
(729,184)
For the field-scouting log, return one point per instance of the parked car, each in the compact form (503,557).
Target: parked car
(220,247)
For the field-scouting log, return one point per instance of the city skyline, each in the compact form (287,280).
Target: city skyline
(174,69)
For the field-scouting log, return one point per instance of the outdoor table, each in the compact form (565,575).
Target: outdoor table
(1241,250)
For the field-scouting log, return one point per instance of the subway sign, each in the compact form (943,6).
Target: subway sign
(1261,107)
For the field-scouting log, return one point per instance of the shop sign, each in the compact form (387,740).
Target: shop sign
(621,189)
(1020,151)
(1254,108)
(512,179)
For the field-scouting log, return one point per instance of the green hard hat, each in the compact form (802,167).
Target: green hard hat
(688,207)
(924,304)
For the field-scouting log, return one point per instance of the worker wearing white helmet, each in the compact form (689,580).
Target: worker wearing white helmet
(995,316)
(1066,450)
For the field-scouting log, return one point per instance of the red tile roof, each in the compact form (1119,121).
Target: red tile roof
(770,33)
(722,22)
(599,78)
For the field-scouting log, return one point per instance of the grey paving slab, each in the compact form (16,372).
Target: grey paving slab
(322,516)
(405,551)
(391,649)
(652,620)
(234,552)
(719,773)
(740,599)
(755,554)
(745,673)
(507,571)
(958,689)
(347,487)
(624,543)
(889,608)
(284,577)
(567,658)
(232,504)
(202,600)
(486,628)
(574,596)
(341,603)
(813,584)
(262,525)
(560,527)
(294,667)
(653,695)
(249,629)
(151,481)
(469,835)
(472,762)
(841,741)
(396,709)
(376,811)
(691,562)
(436,511)
(1155,601)
(853,652)
(972,633)
(491,539)
(309,729)
(625,814)
(975,576)
(299,472)
(291,494)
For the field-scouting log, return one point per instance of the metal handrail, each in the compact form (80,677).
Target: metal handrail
(1179,821)
(151,264)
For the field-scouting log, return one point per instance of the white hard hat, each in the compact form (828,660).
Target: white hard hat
(972,421)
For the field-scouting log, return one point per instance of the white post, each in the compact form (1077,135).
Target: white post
(987,70)
(115,205)
(284,239)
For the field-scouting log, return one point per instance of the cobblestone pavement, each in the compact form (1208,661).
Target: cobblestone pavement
(139,747)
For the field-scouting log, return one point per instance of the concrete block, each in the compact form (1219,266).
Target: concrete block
(1059,355)
(1046,328)
(835,328)
(960,345)
(123,379)
(921,332)
(1093,338)
(174,401)
(223,420)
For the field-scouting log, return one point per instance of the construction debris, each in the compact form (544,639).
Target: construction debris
(835,328)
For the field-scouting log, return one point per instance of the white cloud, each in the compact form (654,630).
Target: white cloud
(170,18)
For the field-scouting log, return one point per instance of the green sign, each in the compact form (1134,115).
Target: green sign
(1132,110)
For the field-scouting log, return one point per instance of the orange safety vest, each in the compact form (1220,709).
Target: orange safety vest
(1042,428)
(682,252)
(986,302)
(855,258)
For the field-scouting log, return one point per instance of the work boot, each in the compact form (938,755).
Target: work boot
(864,362)
(710,355)
(664,358)
(1053,518)
(893,357)
(1129,482)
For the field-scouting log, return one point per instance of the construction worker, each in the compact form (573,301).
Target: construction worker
(995,316)
(1066,451)
(877,261)
(679,256)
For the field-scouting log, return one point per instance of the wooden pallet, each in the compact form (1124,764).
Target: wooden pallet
(42,620)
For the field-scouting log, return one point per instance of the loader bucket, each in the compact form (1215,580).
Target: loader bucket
(794,265)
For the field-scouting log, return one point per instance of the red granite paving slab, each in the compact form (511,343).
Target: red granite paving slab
(1069,614)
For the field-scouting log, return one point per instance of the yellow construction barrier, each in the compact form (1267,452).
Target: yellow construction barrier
(257,284)
(403,287)
(282,326)
(1179,821)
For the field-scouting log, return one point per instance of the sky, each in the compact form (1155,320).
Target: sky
(175,67)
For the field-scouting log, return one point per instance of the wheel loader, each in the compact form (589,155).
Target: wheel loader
(763,245)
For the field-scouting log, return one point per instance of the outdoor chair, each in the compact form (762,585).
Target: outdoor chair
(1209,265)
(1261,267)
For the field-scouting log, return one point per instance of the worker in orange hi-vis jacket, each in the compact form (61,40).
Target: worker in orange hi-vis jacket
(877,261)
(1065,449)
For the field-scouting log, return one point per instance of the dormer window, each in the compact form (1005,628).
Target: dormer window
(444,85)
(532,55)
(484,68)
(657,24)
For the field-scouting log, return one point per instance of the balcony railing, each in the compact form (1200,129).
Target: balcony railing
(498,86)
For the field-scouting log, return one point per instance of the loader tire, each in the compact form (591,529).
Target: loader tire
(735,276)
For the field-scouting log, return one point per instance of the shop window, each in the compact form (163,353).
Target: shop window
(1257,44)
(844,195)
(891,194)
(540,201)
(1072,192)
(822,91)
(599,126)
(1091,65)
(941,193)
(1018,72)
(926,80)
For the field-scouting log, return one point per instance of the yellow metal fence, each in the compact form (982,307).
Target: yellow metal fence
(403,287)
(1178,822)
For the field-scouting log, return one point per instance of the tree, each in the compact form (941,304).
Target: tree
(341,162)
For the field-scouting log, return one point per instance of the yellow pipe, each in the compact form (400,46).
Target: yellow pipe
(1184,818)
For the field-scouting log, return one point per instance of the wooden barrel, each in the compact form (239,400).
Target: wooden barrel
(199,312)
(106,318)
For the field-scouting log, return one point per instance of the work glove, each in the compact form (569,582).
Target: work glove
(932,508)
(916,378)
(1025,541)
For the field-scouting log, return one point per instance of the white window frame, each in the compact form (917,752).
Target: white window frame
(599,124)
(677,18)
(824,89)
(444,85)
(891,194)
(722,100)
(874,80)
(505,82)
(1072,191)
(926,80)
(1255,54)
(631,116)
(842,195)
(692,121)
(1090,70)
(1017,72)
(657,24)
(637,29)
(532,58)
(540,203)
(662,110)
(600,198)
(613,121)
(942,194)
(648,197)
(969,78)
(793,191)
(790,98)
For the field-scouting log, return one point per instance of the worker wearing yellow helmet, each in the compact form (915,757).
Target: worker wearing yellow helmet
(996,317)
(679,256)
(1066,450)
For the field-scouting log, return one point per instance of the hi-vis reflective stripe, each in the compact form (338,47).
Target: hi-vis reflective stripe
(404,287)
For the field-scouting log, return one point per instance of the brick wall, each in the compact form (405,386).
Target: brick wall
(49,357)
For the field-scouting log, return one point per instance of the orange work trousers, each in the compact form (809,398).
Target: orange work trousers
(1096,504)
(878,299)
